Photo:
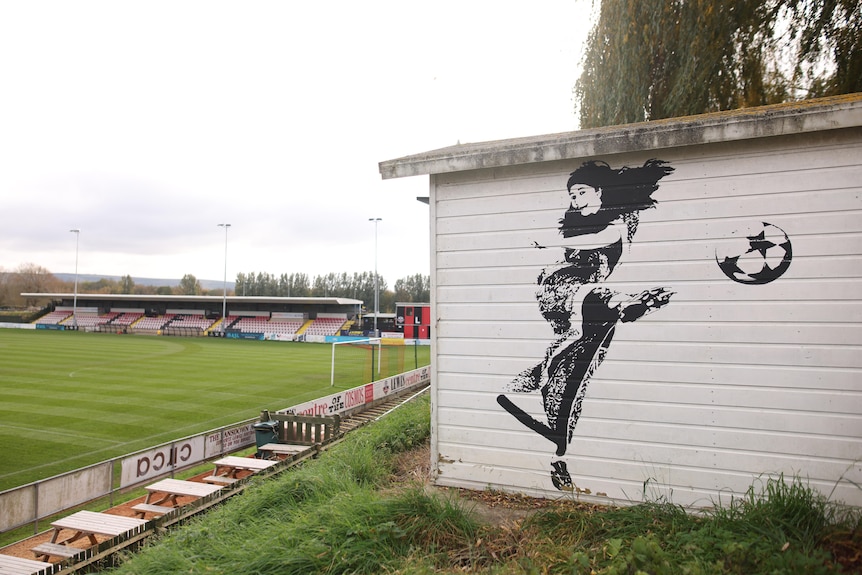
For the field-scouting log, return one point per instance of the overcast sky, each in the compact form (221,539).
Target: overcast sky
(145,124)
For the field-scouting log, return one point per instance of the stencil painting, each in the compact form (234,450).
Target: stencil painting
(600,222)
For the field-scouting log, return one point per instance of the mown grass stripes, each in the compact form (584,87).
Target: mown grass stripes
(68,399)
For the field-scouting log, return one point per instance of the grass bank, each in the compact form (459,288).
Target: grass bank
(354,510)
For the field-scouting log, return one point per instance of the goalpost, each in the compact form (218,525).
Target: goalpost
(356,356)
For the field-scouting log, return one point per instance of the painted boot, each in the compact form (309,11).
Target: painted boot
(560,476)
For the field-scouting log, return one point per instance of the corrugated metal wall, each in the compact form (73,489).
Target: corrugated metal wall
(698,400)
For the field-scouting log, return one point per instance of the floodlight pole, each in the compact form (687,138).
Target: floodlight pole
(224,282)
(77,233)
(376,281)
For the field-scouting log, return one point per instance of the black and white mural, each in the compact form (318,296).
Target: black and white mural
(600,222)
(595,232)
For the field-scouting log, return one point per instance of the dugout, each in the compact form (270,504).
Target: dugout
(685,322)
(385,323)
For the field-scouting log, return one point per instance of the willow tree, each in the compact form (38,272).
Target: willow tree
(830,37)
(648,60)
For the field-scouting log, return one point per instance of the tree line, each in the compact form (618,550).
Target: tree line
(32,278)
(361,286)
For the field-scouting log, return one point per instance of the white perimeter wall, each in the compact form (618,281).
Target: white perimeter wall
(727,383)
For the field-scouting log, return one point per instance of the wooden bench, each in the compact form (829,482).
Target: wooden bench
(304,429)
(10,565)
(89,524)
(55,549)
(171,489)
(219,479)
(275,450)
(143,508)
(297,432)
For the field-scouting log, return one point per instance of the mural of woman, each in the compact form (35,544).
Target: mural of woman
(602,218)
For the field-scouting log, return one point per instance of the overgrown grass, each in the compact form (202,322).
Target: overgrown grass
(346,513)
(332,515)
(782,527)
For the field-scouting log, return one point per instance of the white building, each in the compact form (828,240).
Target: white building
(746,368)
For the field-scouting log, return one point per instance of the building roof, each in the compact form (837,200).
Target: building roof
(198,298)
(732,125)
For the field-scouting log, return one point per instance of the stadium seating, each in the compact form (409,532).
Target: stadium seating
(154,323)
(325,326)
(89,319)
(190,321)
(126,319)
(285,326)
(264,325)
(54,317)
(250,325)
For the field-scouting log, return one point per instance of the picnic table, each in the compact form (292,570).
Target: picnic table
(232,465)
(10,565)
(85,524)
(269,450)
(89,524)
(173,488)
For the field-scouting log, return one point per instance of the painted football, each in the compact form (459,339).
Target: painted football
(755,256)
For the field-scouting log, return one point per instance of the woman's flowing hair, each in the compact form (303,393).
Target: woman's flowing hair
(625,192)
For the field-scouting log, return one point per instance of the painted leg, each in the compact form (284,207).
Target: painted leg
(525,418)
(537,376)
(528,380)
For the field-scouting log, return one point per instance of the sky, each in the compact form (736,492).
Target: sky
(145,124)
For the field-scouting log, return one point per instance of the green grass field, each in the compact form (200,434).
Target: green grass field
(69,399)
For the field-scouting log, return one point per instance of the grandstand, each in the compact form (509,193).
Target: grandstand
(269,317)
(281,318)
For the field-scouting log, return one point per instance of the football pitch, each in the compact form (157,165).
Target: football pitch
(70,399)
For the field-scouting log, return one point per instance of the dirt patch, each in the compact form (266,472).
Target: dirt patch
(24,547)
(496,508)
(413,466)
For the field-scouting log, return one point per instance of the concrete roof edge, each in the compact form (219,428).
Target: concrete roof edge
(199,298)
(732,125)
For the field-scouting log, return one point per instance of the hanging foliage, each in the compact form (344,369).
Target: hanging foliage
(650,60)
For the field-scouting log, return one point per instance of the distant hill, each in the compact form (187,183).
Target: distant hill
(205,284)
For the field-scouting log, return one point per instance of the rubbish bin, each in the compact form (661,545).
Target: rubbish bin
(265,432)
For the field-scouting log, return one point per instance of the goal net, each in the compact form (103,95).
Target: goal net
(362,361)
(355,362)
